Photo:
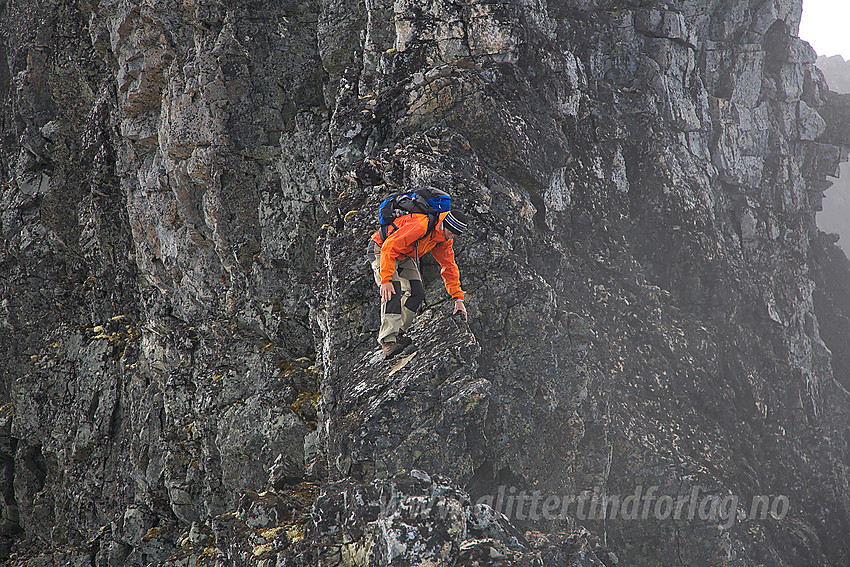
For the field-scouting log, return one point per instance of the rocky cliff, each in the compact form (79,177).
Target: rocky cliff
(188,321)
(834,217)
(836,71)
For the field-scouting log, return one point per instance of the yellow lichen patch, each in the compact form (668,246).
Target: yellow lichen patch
(209,551)
(311,398)
(153,532)
(348,214)
(272,533)
(261,549)
(295,533)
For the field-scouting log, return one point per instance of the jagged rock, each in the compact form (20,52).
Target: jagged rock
(414,519)
(187,320)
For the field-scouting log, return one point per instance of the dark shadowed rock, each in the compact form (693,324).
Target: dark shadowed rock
(188,321)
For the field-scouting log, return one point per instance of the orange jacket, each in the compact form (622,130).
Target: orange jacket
(403,242)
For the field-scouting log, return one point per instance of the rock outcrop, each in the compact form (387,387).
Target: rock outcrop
(836,71)
(836,206)
(188,322)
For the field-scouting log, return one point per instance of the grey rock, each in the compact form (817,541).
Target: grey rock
(187,321)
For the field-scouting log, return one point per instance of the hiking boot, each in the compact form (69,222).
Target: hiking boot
(392,348)
(403,339)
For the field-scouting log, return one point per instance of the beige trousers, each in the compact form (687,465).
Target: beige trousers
(397,314)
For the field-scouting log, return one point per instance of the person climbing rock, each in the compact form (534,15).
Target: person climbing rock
(395,262)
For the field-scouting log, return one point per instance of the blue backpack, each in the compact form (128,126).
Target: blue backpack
(422,200)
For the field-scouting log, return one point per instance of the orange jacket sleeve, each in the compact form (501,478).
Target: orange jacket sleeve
(444,253)
(400,244)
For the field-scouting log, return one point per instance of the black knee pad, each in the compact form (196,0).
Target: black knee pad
(394,304)
(417,295)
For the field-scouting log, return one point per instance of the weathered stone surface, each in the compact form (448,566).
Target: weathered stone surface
(414,519)
(187,320)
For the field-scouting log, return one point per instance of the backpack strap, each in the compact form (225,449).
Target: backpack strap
(432,224)
(384,230)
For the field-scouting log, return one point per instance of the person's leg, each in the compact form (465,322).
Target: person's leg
(391,317)
(408,271)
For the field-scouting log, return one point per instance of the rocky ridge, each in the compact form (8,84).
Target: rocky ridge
(188,321)
(836,207)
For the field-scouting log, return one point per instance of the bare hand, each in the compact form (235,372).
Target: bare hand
(460,308)
(387,290)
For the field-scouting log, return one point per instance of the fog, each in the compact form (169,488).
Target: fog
(835,217)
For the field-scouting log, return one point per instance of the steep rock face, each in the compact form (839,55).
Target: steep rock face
(643,195)
(160,364)
(189,320)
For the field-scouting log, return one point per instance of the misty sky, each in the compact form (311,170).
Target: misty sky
(826,26)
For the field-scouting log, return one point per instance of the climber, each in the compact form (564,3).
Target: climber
(395,262)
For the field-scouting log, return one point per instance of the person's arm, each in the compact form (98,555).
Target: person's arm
(444,254)
(400,239)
